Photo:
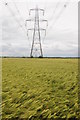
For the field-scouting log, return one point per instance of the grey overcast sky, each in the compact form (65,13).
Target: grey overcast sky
(62,31)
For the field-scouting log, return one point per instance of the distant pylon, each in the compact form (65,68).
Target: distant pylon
(36,49)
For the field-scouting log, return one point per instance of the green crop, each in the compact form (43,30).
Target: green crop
(39,89)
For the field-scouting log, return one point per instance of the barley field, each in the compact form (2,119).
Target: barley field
(39,89)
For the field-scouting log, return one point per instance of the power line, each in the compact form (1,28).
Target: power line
(59,14)
(45,5)
(27,6)
(62,10)
(13,14)
(54,11)
(18,11)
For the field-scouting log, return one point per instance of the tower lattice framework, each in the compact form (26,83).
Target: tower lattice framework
(36,49)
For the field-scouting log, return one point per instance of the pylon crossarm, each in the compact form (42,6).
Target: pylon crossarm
(29,30)
(31,10)
(35,10)
(28,20)
(44,21)
(43,30)
(42,10)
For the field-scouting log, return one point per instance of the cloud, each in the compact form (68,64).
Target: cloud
(15,50)
(60,49)
(61,37)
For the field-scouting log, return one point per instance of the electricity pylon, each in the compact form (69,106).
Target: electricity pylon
(36,49)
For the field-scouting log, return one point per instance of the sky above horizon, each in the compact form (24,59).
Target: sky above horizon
(62,32)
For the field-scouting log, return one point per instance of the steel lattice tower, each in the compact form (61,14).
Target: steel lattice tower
(36,49)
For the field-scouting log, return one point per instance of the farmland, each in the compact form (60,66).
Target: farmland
(39,88)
